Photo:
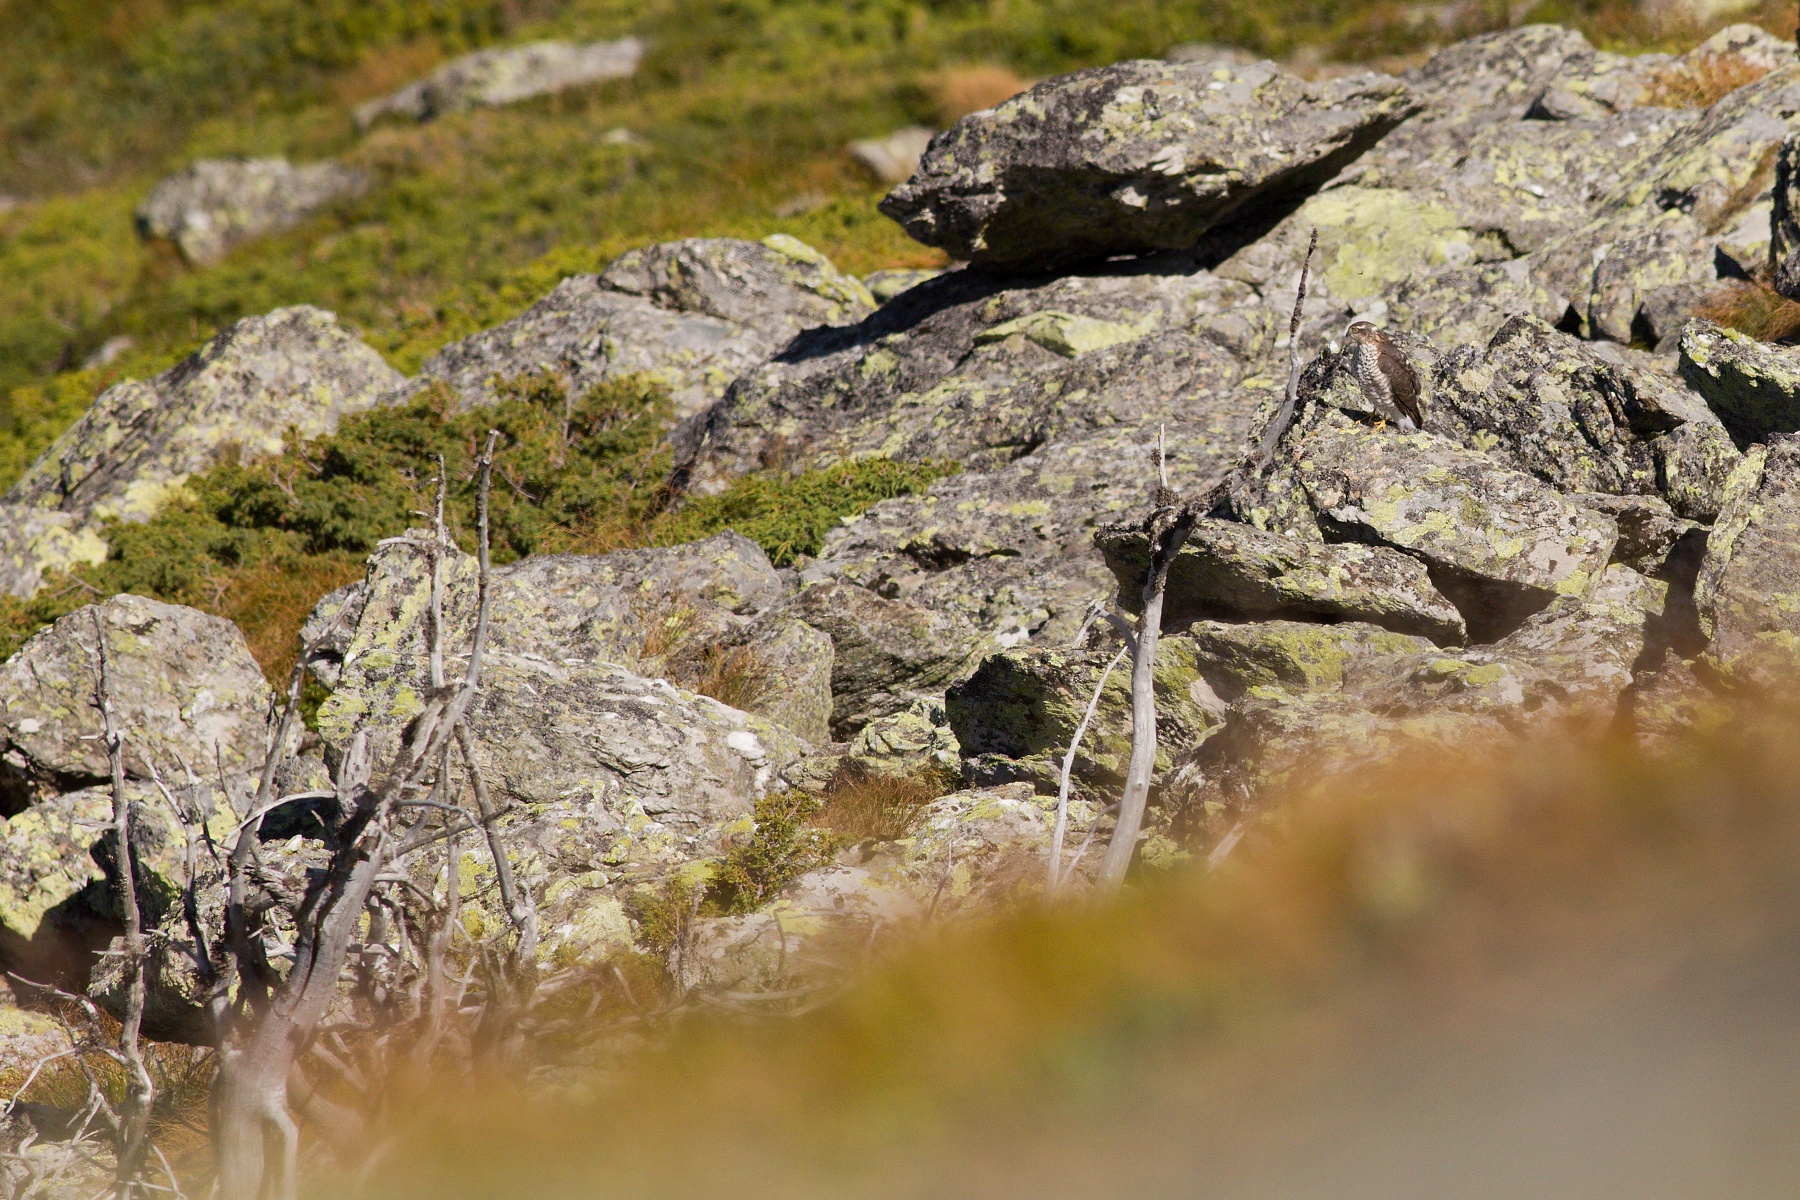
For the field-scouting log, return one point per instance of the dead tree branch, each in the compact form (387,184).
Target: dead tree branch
(140,1089)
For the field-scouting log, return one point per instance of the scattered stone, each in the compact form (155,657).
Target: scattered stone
(895,157)
(185,688)
(1227,571)
(691,315)
(219,203)
(505,75)
(919,736)
(1136,157)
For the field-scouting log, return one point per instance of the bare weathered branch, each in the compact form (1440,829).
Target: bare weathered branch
(1056,874)
(140,1090)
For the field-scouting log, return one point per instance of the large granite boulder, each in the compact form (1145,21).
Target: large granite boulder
(973,368)
(294,370)
(187,692)
(1237,572)
(1748,591)
(1135,157)
(692,315)
(505,75)
(219,203)
(1498,542)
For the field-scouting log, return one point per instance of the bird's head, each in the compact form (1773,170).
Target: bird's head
(1360,330)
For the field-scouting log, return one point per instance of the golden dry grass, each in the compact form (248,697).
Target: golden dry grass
(862,805)
(958,91)
(1753,309)
(1702,81)
(270,604)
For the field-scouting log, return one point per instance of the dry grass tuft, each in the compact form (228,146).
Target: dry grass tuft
(1753,309)
(270,602)
(958,91)
(862,805)
(1702,82)
(733,675)
(673,646)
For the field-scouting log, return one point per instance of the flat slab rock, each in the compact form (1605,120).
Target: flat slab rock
(1135,157)
(1231,571)
(504,75)
(692,315)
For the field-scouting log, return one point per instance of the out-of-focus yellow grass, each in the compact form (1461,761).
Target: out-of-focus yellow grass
(1546,960)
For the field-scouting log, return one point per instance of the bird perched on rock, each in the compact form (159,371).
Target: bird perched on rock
(1388,381)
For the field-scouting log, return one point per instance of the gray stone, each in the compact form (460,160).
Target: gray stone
(219,203)
(887,653)
(187,693)
(505,75)
(1497,76)
(1498,542)
(976,369)
(293,370)
(885,285)
(691,315)
(918,737)
(1236,572)
(1296,656)
(894,157)
(1748,592)
(1135,157)
(678,612)
(1015,716)
(1753,387)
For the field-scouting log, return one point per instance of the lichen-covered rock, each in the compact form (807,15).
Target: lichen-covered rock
(505,75)
(786,667)
(187,692)
(1014,718)
(1234,657)
(1011,550)
(1614,271)
(973,368)
(1497,76)
(1649,530)
(649,611)
(887,653)
(1748,591)
(919,737)
(1135,157)
(884,285)
(1544,402)
(292,370)
(692,315)
(1236,572)
(1499,543)
(1753,387)
(36,541)
(1569,666)
(219,203)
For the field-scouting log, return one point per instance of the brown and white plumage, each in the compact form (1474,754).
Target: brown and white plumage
(1387,379)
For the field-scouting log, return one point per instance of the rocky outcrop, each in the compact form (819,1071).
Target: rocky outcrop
(187,693)
(219,203)
(575,618)
(504,76)
(1136,157)
(691,315)
(293,371)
